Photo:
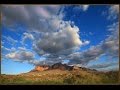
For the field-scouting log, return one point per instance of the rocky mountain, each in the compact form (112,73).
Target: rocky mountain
(61,74)
(59,66)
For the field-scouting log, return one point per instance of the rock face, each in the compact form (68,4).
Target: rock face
(41,68)
(61,66)
(76,68)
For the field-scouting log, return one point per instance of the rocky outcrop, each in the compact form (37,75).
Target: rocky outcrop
(41,68)
(76,68)
(60,66)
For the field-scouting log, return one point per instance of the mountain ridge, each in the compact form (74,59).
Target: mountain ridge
(61,74)
(59,66)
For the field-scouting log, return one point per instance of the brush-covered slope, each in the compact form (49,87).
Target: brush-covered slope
(62,76)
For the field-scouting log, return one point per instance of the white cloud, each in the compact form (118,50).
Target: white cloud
(4,49)
(7,50)
(81,7)
(85,7)
(114,9)
(113,12)
(22,48)
(13,49)
(86,42)
(27,36)
(20,55)
(10,40)
(109,47)
(66,38)
(56,37)
(34,17)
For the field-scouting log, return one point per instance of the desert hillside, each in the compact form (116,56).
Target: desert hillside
(61,74)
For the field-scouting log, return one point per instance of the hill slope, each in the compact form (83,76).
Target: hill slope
(62,76)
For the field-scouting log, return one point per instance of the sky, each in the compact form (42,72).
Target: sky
(81,35)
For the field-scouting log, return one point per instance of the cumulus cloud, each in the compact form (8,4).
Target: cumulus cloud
(20,55)
(56,39)
(108,47)
(65,39)
(43,18)
(56,35)
(85,57)
(34,17)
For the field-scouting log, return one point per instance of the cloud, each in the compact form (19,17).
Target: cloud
(20,56)
(27,36)
(55,39)
(85,7)
(104,65)
(39,62)
(40,18)
(7,50)
(36,62)
(10,40)
(34,17)
(111,44)
(22,48)
(57,42)
(113,12)
(108,47)
(4,48)
(81,7)
(86,42)
(85,57)
(56,36)
(13,49)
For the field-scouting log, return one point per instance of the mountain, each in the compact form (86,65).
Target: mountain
(59,66)
(61,74)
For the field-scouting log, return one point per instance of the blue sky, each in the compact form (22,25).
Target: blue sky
(32,36)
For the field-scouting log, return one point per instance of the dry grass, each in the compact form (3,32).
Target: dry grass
(60,77)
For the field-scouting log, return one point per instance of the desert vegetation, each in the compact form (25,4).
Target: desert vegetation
(61,77)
